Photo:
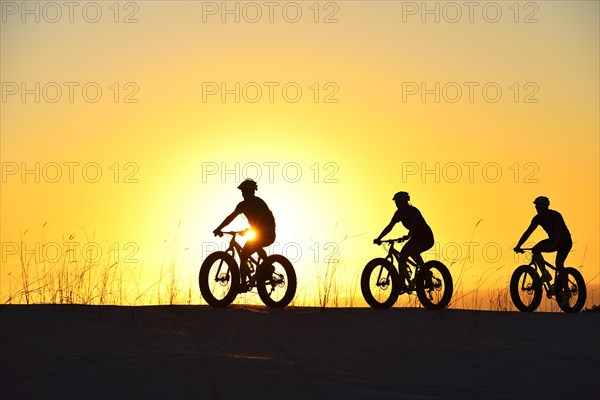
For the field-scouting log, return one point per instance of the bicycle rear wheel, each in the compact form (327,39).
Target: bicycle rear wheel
(379,283)
(525,288)
(434,285)
(277,286)
(219,279)
(575,290)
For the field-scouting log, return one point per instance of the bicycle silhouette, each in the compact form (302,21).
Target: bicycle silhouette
(530,280)
(382,283)
(220,280)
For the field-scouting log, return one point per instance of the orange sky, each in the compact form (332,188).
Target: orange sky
(336,108)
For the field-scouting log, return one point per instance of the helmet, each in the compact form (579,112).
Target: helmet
(401,196)
(249,183)
(542,201)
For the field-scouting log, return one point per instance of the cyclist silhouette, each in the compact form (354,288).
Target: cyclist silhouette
(261,220)
(559,237)
(420,236)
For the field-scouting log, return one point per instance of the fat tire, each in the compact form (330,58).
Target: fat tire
(447,285)
(264,285)
(203,279)
(515,288)
(393,288)
(579,289)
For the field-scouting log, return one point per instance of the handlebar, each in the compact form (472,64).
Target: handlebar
(234,233)
(523,250)
(399,240)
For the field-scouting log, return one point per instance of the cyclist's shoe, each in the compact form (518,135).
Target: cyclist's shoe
(551,291)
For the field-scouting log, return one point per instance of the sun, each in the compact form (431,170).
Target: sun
(250,235)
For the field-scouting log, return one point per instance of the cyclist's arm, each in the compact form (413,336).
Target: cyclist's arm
(386,230)
(227,220)
(526,235)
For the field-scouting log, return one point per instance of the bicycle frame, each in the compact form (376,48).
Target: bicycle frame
(407,274)
(538,261)
(222,278)
(235,248)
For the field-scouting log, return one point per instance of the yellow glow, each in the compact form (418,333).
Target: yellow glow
(250,235)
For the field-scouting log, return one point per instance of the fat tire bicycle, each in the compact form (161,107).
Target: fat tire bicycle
(382,283)
(220,280)
(527,285)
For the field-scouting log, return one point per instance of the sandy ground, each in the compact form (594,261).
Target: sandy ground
(181,352)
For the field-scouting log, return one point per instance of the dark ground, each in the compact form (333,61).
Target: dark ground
(187,352)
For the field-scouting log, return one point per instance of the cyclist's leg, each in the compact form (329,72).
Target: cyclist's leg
(268,238)
(413,249)
(562,252)
(249,248)
(402,257)
(545,246)
(261,253)
(422,245)
(255,246)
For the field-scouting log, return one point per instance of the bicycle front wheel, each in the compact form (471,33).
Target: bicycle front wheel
(575,290)
(219,279)
(526,288)
(277,286)
(379,283)
(434,285)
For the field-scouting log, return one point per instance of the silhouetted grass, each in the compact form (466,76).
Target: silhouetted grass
(110,281)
